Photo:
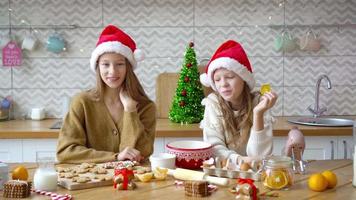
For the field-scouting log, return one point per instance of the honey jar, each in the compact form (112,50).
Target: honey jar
(278,172)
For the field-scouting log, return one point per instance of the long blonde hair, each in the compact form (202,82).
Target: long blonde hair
(130,84)
(243,121)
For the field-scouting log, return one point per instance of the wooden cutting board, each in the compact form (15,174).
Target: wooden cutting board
(69,184)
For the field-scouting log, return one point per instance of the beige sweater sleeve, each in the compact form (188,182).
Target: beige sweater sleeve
(139,130)
(72,139)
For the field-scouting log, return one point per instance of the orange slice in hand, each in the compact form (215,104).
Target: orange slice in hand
(276,180)
(265,88)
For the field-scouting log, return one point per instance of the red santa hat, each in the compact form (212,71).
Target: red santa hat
(114,40)
(232,56)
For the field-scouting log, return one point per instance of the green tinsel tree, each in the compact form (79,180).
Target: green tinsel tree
(186,105)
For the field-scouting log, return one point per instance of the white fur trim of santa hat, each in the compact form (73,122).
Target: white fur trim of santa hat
(111,47)
(230,64)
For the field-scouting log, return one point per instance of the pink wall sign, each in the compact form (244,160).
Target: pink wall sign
(11,55)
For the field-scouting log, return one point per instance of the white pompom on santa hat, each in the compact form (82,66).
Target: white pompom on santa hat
(114,40)
(230,55)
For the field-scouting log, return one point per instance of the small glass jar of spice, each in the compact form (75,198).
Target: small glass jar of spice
(278,172)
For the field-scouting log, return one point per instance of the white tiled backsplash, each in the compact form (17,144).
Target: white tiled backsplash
(162,28)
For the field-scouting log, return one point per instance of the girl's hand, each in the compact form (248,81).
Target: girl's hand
(267,101)
(130,153)
(128,103)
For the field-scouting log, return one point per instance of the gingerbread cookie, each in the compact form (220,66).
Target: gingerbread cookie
(81,179)
(87,165)
(60,169)
(98,170)
(69,169)
(103,177)
(61,175)
(81,170)
(70,175)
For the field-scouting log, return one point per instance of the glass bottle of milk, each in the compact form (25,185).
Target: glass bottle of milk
(45,177)
(354,154)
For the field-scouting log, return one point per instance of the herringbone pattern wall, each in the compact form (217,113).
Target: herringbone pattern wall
(162,28)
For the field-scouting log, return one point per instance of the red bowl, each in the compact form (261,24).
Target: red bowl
(190,154)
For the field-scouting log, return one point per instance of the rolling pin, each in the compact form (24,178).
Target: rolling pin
(191,175)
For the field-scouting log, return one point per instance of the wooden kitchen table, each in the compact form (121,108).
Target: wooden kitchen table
(167,189)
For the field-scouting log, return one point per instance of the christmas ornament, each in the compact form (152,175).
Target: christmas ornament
(186,79)
(182,103)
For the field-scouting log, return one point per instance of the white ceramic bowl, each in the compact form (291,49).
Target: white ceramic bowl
(164,160)
(190,154)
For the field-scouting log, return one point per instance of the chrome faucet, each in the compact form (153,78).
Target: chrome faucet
(319,111)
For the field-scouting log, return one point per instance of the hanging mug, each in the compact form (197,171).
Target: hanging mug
(55,43)
(29,42)
(310,42)
(285,42)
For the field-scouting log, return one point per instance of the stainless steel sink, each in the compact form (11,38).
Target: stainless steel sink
(322,121)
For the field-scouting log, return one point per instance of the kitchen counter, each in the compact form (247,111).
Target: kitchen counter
(27,129)
(168,190)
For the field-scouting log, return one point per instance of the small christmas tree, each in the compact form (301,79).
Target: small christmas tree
(186,105)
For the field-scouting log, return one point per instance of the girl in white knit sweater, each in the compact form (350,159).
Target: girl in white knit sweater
(234,121)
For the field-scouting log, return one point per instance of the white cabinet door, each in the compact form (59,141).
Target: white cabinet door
(34,148)
(320,148)
(345,147)
(158,146)
(278,145)
(11,150)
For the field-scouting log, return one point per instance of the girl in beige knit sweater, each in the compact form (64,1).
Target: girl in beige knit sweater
(116,120)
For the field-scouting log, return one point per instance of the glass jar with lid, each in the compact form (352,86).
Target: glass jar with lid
(278,172)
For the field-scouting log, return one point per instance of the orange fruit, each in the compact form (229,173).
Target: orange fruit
(330,177)
(317,182)
(20,173)
(276,180)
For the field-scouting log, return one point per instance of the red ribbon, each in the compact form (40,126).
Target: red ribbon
(125,174)
(250,182)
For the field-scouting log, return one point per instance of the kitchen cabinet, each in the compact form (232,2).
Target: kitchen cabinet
(34,148)
(345,147)
(317,147)
(11,150)
(278,145)
(321,148)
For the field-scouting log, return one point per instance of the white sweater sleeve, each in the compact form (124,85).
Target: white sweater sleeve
(260,143)
(213,130)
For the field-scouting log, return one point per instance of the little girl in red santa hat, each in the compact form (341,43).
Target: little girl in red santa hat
(115,120)
(234,115)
